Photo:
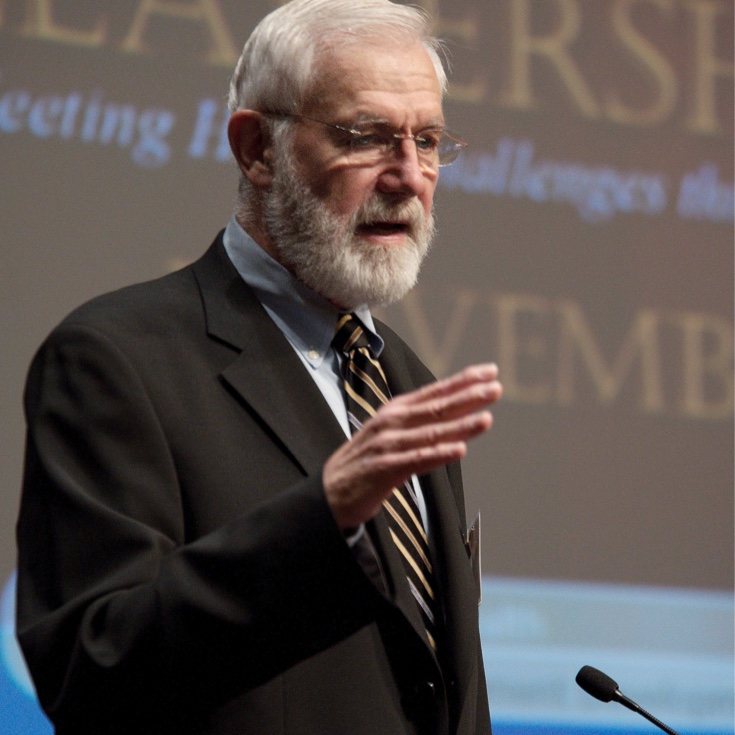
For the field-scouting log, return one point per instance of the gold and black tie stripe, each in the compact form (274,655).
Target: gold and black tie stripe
(366,389)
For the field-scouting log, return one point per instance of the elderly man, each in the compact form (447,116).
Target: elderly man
(201,548)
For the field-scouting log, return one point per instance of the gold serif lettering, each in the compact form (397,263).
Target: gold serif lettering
(708,367)
(664,101)
(707,66)
(222,50)
(553,48)
(523,334)
(438,355)
(467,31)
(39,23)
(576,338)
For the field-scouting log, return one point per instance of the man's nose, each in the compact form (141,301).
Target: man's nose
(404,173)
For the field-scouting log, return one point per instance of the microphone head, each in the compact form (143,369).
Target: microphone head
(596,684)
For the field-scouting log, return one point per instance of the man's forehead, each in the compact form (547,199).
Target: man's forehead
(374,78)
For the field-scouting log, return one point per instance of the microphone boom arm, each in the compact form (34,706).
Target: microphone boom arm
(619,697)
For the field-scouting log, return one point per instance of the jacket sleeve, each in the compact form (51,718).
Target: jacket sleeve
(115,603)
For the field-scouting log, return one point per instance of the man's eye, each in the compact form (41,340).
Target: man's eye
(428,141)
(368,140)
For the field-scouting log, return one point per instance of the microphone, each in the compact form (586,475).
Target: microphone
(602,687)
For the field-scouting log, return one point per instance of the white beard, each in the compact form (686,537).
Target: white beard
(326,252)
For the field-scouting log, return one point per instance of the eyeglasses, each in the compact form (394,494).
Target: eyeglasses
(375,141)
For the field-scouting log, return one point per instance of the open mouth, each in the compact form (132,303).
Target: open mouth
(383,228)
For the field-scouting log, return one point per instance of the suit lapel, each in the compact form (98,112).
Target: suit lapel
(266,375)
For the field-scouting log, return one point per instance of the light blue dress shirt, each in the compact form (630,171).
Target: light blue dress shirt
(306,319)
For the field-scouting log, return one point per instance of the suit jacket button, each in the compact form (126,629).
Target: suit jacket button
(422,695)
(426,691)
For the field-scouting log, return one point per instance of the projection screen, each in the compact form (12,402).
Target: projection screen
(585,244)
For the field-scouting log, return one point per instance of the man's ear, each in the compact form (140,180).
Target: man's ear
(250,142)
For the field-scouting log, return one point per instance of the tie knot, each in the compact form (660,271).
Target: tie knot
(349,334)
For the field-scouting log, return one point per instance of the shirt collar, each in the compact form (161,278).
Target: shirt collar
(305,317)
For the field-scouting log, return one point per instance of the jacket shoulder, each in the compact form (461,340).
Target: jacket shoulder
(148,307)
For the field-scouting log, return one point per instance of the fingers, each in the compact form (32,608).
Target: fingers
(426,435)
(470,390)
(473,375)
(412,434)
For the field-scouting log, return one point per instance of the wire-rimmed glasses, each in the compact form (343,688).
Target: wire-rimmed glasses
(371,142)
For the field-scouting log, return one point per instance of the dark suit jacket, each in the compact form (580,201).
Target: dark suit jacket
(179,568)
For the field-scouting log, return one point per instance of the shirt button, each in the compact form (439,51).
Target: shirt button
(313,354)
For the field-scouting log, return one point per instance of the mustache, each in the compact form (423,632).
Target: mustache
(376,210)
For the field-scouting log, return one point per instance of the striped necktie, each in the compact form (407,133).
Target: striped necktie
(366,390)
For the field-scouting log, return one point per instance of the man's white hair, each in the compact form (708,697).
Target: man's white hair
(280,59)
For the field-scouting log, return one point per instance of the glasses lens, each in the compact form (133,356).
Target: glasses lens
(371,144)
(450,149)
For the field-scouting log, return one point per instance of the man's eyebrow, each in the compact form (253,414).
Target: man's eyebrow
(365,119)
(437,122)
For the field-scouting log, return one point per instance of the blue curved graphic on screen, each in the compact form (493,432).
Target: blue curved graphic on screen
(19,710)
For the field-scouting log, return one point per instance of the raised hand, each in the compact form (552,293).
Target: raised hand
(413,433)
